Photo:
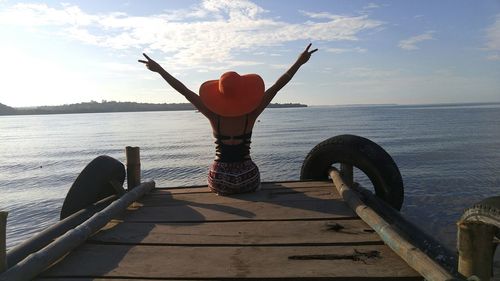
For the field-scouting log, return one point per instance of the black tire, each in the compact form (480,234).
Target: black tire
(102,177)
(486,211)
(363,154)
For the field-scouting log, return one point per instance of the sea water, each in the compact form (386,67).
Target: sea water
(448,155)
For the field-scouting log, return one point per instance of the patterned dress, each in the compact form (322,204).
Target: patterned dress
(233,171)
(234,177)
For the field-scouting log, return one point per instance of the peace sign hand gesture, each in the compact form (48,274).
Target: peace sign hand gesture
(306,55)
(151,64)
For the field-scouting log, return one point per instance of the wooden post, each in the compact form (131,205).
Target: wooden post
(346,170)
(133,166)
(3,250)
(475,249)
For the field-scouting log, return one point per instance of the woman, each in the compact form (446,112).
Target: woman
(232,104)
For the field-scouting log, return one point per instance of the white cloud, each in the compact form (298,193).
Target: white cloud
(336,28)
(368,8)
(493,57)
(279,66)
(411,43)
(209,32)
(41,14)
(371,6)
(236,9)
(364,73)
(346,50)
(493,35)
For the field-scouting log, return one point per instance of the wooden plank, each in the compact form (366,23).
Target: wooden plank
(335,262)
(98,279)
(82,279)
(165,197)
(242,233)
(265,185)
(246,210)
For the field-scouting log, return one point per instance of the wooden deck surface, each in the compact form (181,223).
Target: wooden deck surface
(288,230)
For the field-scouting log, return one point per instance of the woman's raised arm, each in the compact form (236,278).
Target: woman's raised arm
(178,86)
(284,79)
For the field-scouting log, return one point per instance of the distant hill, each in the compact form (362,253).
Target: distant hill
(6,110)
(108,106)
(113,106)
(285,105)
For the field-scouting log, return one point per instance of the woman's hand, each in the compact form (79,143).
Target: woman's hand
(306,55)
(151,64)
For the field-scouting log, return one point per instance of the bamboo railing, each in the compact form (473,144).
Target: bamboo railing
(411,254)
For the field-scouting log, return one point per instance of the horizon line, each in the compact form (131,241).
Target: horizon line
(309,105)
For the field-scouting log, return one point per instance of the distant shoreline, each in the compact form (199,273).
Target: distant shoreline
(112,106)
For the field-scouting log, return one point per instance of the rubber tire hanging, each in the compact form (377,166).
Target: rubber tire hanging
(102,177)
(363,154)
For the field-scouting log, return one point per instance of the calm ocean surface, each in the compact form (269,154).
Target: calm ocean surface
(449,156)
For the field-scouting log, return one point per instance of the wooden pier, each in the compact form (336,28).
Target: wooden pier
(328,228)
(288,230)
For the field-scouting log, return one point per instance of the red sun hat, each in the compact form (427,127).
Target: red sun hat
(233,94)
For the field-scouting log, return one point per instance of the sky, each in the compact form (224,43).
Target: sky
(370,52)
